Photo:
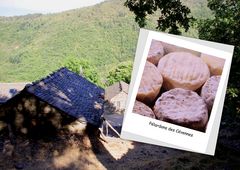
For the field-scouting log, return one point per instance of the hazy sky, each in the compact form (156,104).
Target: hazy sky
(23,7)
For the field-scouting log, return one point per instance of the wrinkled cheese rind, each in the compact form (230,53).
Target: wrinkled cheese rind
(169,48)
(143,109)
(182,107)
(215,64)
(150,84)
(156,52)
(209,90)
(183,70)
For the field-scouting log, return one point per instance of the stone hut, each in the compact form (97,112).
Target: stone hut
(116,95)
(52,102)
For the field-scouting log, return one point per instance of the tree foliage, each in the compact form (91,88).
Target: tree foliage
(173,14)
(32,46)
(121,73)
(225,28)
(82,67)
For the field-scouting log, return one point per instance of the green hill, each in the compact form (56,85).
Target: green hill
(106,34)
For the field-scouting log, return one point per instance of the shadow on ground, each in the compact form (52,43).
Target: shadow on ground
(86,150)
(144,156)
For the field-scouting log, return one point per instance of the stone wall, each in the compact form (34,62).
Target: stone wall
(28,115)
(119,101)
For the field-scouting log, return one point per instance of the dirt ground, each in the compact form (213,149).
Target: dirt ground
(81,151)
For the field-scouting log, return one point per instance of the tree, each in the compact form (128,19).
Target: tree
(121,73)
(82,67)
(173,14)
(225,28)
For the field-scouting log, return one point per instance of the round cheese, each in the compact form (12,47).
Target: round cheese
(183,70)
(215,64)
(155,52)
(143,109)
(150,84)
(169,48)
(209,90)
(182,107)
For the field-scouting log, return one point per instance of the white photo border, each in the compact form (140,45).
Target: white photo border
(139,125)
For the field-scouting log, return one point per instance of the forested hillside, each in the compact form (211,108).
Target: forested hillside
(105,35)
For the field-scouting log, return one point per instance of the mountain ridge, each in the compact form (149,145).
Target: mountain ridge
(32,46)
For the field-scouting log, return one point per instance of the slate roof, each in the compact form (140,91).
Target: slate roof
(70,93)
(115,89)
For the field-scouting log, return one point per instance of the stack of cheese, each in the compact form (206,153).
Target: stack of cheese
(178,85)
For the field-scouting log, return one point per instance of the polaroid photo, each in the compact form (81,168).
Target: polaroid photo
(177,92)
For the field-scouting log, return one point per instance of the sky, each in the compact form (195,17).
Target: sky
(23,7)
